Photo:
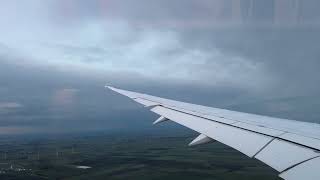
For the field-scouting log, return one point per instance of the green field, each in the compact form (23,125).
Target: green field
(128,156)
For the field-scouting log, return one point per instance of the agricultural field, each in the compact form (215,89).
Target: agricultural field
(131,156)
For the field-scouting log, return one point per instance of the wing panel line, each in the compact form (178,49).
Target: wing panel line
(293,166)
(268,144)
(232,124)
(264,147)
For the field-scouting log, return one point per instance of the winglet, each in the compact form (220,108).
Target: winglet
(111,88)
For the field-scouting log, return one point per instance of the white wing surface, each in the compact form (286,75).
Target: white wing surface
(290,147)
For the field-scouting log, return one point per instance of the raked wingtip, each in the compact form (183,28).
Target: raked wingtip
(110,87)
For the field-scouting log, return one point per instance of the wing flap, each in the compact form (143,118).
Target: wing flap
(249,143)
(308,170)
(282,155)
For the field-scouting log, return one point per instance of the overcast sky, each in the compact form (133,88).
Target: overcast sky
(56,56)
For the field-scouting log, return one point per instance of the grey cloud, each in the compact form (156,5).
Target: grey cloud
(288,57)
(57,68)
(201,13)
(255,55)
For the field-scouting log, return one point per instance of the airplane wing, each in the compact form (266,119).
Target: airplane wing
(290,147)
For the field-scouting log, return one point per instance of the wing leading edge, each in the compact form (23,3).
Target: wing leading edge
(290,147)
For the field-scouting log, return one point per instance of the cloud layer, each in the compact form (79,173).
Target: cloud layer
(56,56)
